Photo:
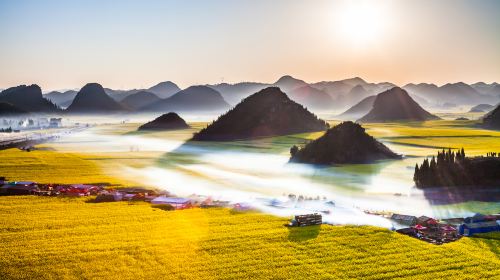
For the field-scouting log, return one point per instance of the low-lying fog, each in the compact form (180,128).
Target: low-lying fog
(262,177)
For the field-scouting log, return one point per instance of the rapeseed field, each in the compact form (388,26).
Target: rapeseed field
(63,238)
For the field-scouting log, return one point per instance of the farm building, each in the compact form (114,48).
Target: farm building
(138,190)
(78,190)
(477,218)
(19,188)
(306,220)
(55,122)
(480,227)
(242,206)
(176,202)
(404,219)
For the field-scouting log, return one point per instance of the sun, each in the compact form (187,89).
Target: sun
(360,21)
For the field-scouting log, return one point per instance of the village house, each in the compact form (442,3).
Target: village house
(406,220)
(19,188)
(78,190)
(479,227)
(55,122)
(176,202)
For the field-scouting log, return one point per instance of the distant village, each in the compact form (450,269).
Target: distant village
(18,124)
(424,228)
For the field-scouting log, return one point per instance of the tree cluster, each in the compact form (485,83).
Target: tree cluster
(452,168)
(7,130)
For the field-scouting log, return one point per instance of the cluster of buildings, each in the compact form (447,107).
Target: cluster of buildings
(423,227)
(33,188)
(18,124)
(109,194)
(446,230)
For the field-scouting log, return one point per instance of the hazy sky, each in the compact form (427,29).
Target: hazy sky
(135,44)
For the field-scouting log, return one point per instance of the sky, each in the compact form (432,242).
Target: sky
(125,44)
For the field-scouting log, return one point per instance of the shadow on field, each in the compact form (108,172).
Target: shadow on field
(298,234)
(451,195)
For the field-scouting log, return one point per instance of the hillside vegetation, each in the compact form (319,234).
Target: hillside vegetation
(266,113)
(72,239)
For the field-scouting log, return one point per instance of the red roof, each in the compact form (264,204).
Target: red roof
(419,227)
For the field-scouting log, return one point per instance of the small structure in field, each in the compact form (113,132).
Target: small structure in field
(242,206)
(477,218)
(479,223)
(479,227)
(78,190)
(306,220)
(19,188)
(176,202)
(135,194)
(435,234)
(55,122)
(406,220)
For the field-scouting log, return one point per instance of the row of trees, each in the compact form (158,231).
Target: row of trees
(7,130)
(452,168)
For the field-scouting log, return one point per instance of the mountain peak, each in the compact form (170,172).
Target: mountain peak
(27,98)
(346,142)
(92,98)
(194,98)
(354,81)
(33,90)
(169,121)
(92,87)
(396,104)
(286,78)
(268,112)
(164,89)
(288,82)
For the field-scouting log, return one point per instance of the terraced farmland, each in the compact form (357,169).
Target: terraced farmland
(69,238)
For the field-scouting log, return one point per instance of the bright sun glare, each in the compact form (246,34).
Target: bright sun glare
(360,21)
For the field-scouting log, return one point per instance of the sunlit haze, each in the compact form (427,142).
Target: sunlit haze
(135,44)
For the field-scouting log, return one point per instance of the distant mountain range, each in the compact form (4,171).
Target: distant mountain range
(268,112)
(325,96)
(455,94)
(61,99)
(194,98)
(481,108)
(118,95)
(139,100)
(234,93)
(164,89)
(348,92)
(360,109)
